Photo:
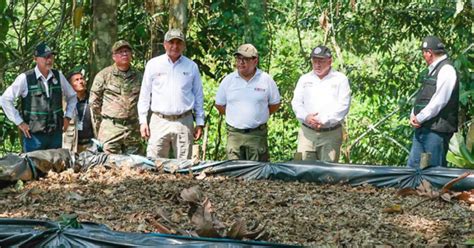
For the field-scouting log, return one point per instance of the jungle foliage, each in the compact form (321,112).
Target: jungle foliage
(376,43)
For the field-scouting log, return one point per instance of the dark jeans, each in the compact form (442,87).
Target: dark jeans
(42,141)
(426,140)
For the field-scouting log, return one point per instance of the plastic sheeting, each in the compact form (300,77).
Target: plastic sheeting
(328,173)
(36,233)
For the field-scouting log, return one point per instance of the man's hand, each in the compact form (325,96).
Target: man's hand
(145,131)
(66,121)
(312,121)
(197,132)
(25,129)
(414,122)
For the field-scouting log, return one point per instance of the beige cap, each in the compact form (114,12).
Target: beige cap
(247,50)
(174,34)
(119,44)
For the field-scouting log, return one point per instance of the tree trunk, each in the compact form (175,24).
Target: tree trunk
(178,14)
(156,8)
(104,29)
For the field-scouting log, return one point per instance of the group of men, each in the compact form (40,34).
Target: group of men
(162,104)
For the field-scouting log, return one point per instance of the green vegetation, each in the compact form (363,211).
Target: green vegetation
(375,43)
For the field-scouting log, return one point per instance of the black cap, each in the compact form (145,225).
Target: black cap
(43,50)
(321,52)
(73,71)
(433,43)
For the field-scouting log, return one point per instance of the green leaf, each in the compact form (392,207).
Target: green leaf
(19,186)
(3,6)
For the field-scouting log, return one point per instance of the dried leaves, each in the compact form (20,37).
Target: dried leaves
(276,211)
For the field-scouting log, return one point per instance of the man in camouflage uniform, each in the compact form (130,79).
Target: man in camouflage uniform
(113,99)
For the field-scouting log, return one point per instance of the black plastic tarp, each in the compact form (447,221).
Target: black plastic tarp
(330,173)
(37,233)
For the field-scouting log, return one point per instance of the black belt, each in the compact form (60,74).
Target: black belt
(173,117)
(121,121)
(324,129)
(247,130)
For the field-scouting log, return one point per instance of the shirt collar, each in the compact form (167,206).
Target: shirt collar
(38,74)
(436,62)
(177,61)
(258,72)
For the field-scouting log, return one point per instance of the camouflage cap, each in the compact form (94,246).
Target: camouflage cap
(174,34)
(119,44)
(433,43)
(321,52)
(247,50)
(43,50)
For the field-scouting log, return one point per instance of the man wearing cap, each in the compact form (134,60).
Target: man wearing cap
(321,101)
(78,137)
(41,118)
(113,99)
(172,90)
(247,97)
(435,112)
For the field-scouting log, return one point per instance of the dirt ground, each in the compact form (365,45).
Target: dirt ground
(289,212)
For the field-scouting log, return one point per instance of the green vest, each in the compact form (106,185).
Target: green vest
(43,114)
(447,119)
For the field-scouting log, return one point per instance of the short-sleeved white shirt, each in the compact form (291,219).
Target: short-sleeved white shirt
(247,102)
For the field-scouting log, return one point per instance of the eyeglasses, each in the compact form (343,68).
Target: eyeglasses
(123,52)
(319,60)
(243,60)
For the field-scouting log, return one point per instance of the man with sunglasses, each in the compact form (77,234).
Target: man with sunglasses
(435,112)
(247,97)
(113,101)
(321,101)
(172,90)
(41,118)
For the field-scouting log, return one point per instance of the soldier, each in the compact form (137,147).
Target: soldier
(172,89)
(80,132)
(113,99)
(247,97)
(41,118)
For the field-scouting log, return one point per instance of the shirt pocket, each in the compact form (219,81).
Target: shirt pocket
(114,88)
(158,79)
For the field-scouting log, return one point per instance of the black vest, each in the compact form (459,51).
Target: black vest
(447,119)
(43,114)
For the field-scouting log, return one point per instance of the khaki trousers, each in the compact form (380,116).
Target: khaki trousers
(251,145)
(165,135)
(325,145)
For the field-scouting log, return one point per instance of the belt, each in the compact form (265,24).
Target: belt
(120,121)
(324,129)
(247,130)
(173,117)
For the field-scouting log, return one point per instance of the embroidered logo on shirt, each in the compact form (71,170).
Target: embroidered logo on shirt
(186,73)
(55,81)
(259,89)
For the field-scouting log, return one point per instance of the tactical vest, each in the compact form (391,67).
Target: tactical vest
(43,114)
(447,119)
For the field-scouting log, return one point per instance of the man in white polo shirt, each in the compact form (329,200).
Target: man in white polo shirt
(247,97)
(321,101)
(172,88)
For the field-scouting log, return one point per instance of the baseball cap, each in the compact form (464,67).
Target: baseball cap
(247,50)
(119,44)
(433,43)
(321,52)
(174,34)
(43,50)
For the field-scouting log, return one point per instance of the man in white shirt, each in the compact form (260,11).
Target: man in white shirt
(41,118)
(435,112)
(321,101)
(247,96)
(172,90)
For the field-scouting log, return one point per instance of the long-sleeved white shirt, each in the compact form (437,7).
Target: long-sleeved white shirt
(329,97)
(444,88)
(19,88)
(171,88)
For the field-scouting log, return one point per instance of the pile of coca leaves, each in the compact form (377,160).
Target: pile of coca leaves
(298,213)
